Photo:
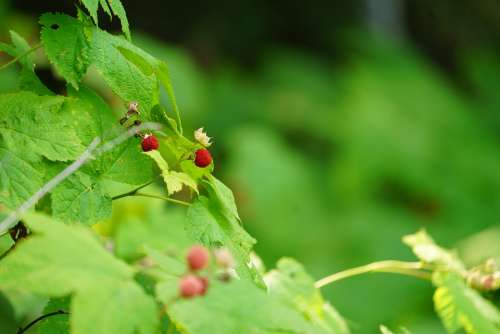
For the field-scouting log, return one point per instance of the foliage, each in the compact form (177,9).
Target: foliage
(123,277)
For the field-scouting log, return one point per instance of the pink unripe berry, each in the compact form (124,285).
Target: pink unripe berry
(149,143)
(197,257)
(202,157)
(191,286)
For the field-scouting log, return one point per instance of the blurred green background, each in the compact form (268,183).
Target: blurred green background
(340,125)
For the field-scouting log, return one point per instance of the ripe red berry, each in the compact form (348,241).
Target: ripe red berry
(149,143)
(204,283)
(197,257)
(202,158)
(190,286)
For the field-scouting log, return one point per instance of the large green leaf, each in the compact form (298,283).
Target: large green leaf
(237,307)
(59,260)
(461,307)
(39,125)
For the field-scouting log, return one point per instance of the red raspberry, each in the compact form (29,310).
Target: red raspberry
(204,283)
(149,143)
(190,286)
(197,257)
(203,158)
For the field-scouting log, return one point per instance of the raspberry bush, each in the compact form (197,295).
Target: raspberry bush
(74,173)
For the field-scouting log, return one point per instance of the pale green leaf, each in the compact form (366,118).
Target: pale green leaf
(290,283)
(59,259)
(66,45)
(426,250)
(237,307)
(113,308)
(224,197)
(173,180)
(461,307)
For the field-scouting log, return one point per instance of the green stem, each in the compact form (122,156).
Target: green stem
(24,54)
(390,266)
(168,199)
(133,191)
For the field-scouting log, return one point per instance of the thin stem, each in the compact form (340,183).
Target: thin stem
(24,54)
(24,329)
(168,199)
(390,266)
(133,191)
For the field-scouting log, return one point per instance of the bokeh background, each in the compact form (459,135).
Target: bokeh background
(340,125)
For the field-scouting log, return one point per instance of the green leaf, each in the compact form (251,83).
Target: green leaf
(224,197)
(237,307)
(207,224)
(461,307)
(114,308)
(110,7)
(55,324)
(19,177)
(426,250)
(124,77)
(66,46)
(39,125)
(58,260)
(173,180)
(290,283)
(80,198)
(8,321)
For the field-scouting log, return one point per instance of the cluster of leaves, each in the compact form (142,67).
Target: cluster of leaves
(127,281)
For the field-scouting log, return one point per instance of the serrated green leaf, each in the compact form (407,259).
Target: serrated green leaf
(461,307)
(19,177)
(66,45)
(209,226)
(237,307)
(59,259)
(113,308)
(125,78)
(80,198)
(39,125)
(224,197)
(173,180)
(110,7)
(290,283)
(92,6)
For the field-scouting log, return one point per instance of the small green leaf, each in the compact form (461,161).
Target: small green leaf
(55,324)
(110,7)
(224,197)
(173,180)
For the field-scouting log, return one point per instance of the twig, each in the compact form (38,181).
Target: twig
(133,191)
(390,266)
(92,151)
(168,199)
(24,329)
(24,54)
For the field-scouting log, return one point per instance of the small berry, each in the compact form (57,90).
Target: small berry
(149,143)
(190,286)
(203,158)
(204,283)
(197,257)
